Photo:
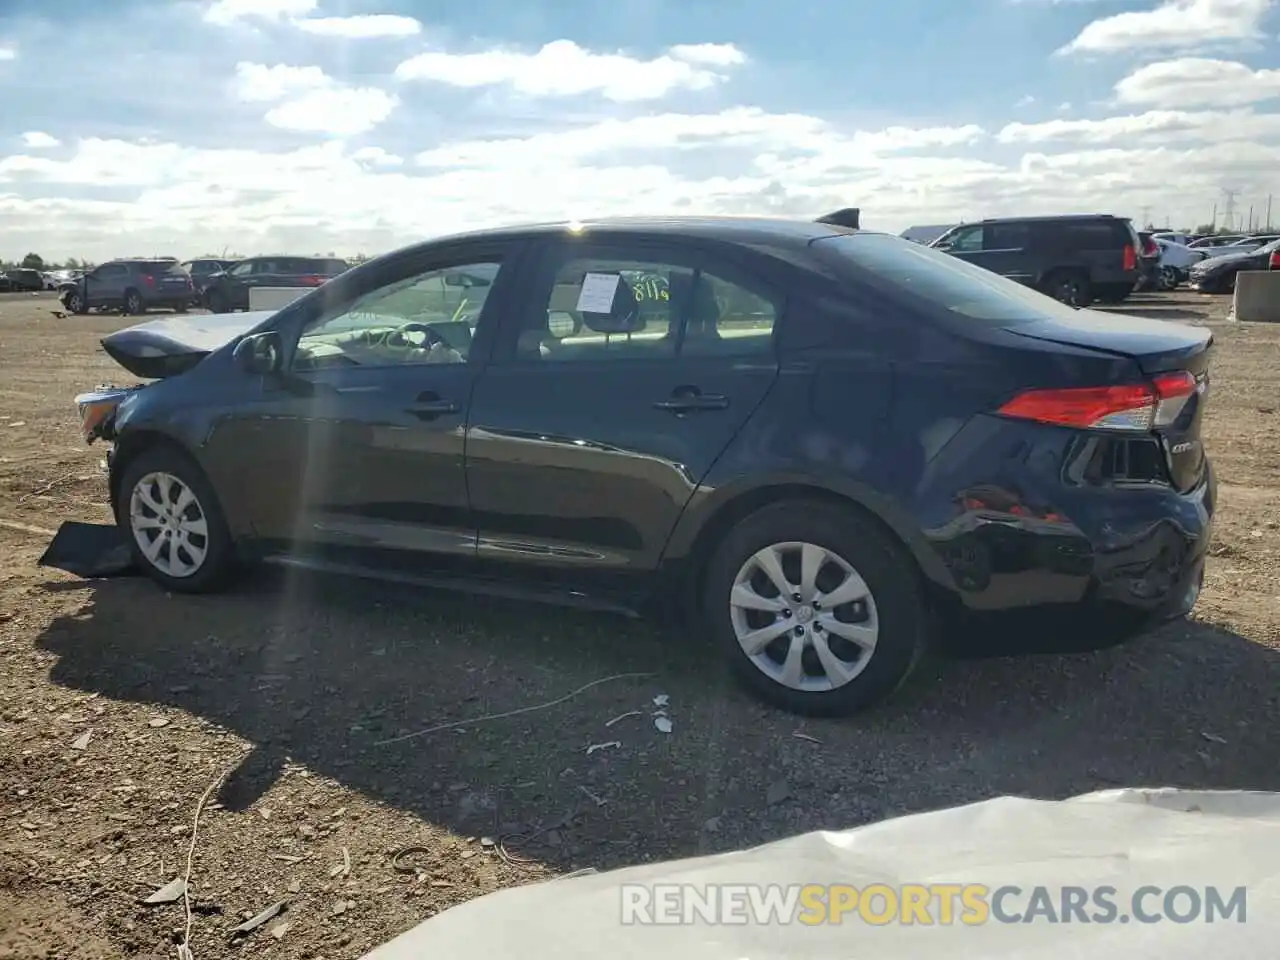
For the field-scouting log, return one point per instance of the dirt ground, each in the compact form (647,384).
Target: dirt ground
(120,706)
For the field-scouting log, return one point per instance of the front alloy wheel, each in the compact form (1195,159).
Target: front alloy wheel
(804,616)
(169,525)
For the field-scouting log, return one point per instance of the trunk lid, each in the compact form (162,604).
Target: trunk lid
(167,347)
(1159,349)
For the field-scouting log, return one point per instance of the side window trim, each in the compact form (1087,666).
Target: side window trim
(547,257)
(509,255)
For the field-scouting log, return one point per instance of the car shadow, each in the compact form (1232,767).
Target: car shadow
(322,672)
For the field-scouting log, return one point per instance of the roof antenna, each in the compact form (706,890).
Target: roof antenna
(848,217)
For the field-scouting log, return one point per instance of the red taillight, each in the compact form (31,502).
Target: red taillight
(1130,257)
(313,281)
(1127,406)
(1274,262)
(1150,248)
(149,280)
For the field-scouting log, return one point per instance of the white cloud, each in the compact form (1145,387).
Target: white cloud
(361,27)
(256,82)
(1025,101)
(1165,126)
(8,53)
(225,12)
(1196,82)
(38,140)
(339,112)
(1174,23)
(711,54)
(377,157)
(562,68)
(307,100)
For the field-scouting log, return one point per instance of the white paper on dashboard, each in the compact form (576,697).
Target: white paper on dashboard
(597,294)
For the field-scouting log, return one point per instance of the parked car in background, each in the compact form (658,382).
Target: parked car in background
(1148,261)
(56,278)
(406,421)
(1217,240)
(229,290)
(1218,274)
(1243,245)
(131,286)
(203,270)
(23,280)
(1174,237)
(1075,259)
(1176,261)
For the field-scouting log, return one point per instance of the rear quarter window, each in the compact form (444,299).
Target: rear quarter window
(1093,234)
(938,281)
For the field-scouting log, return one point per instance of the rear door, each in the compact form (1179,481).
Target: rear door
(587,435)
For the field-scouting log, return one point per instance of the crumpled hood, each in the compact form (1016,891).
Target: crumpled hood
(172,345)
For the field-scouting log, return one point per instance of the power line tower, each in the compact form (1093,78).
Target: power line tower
(1229,207)
(1146,216)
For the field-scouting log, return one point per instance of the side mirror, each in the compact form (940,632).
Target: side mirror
(259,354)
(944,246)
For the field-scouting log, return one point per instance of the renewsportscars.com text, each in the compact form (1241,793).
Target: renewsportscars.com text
(939,904)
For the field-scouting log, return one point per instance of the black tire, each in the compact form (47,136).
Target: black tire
(1070,287)
(132,304)
(180,308)
(74,301)
(216,301)
(887,569)
(220,554)
(1113,292)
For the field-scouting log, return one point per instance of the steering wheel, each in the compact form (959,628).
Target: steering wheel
(397,338)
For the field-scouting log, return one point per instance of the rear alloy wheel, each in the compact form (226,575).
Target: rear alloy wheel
(1069,288)
(132,303)
(177,534)
(1168,278)
(74,302)
(816,611)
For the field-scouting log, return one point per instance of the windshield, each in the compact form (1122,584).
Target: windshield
(943,281)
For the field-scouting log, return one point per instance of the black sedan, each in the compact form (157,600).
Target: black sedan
(1218,274)
(827,441)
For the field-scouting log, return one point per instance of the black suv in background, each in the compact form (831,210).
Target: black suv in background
(203,270)
(1075,259)
(23,280)
(131,286)
(229,290)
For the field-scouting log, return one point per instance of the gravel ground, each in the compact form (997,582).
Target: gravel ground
(120,706)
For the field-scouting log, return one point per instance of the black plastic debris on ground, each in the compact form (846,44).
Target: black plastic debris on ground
(90,550)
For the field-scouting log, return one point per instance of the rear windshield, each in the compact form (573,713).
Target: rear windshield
(941,281)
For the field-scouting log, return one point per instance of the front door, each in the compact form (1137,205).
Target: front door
(631,367)
(357,451)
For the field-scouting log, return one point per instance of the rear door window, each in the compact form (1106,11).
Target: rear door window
(1094,235)
(940,281)
(1006,236)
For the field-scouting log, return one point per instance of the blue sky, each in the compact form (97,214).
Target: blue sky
(357,125)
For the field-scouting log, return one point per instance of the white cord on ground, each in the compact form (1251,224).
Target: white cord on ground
(512,713)
(184,948)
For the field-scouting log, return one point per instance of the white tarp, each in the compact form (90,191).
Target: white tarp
(1126,839)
